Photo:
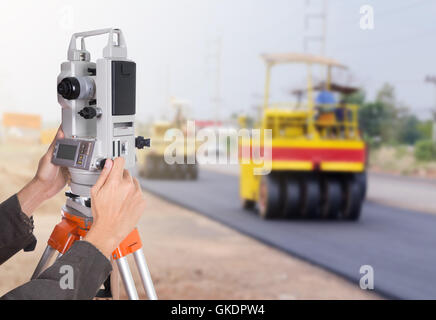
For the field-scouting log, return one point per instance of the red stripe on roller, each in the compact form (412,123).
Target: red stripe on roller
(318,155)
(314,154)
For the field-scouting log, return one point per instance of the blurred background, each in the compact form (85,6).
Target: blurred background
(201,60)
(208,53)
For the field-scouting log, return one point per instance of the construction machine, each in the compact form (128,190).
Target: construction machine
(155,166)
(318,156)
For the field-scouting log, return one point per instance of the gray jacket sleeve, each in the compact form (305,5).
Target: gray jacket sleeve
(78,274)
(16,229)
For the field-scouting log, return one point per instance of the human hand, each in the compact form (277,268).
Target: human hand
(50,177)
(117,203)
(47,182)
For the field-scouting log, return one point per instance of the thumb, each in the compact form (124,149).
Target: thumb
(59,135)
(103,175)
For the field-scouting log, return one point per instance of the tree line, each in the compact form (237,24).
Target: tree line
(386,121)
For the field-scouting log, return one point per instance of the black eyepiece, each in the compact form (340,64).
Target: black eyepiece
(141,142)
(69,88)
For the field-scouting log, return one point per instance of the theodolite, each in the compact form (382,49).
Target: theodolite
(98,102)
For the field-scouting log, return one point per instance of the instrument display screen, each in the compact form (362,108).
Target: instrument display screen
(66,151)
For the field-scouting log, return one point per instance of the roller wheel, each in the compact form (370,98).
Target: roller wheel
(164,169)
(352,204)
(193,171)
(362,180)
(292,198)
(269,202)
(185,171)
(248,204)
(331,199)
(177,171)
(311,198)
(181,171)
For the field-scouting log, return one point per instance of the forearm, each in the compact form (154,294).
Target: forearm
(31,196)
(76,275)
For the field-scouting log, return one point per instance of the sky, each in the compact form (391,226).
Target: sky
(177,45)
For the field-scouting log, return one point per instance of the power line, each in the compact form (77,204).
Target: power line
(322,37)
(401,40)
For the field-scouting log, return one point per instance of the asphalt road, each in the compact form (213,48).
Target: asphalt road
(399,244)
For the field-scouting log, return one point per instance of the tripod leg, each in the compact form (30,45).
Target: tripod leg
(46,256)
(126,276)
(115,282)
(147,282)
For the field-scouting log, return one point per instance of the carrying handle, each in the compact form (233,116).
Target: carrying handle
(113,49)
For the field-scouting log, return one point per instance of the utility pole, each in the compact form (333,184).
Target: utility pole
(215,58)
(320,36)
(431,79)
(167,95)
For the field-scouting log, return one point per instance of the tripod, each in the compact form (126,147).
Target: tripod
(74,226)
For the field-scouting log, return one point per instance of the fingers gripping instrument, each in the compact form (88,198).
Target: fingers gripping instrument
(98,102)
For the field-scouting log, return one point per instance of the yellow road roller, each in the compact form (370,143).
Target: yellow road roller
(317,154)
